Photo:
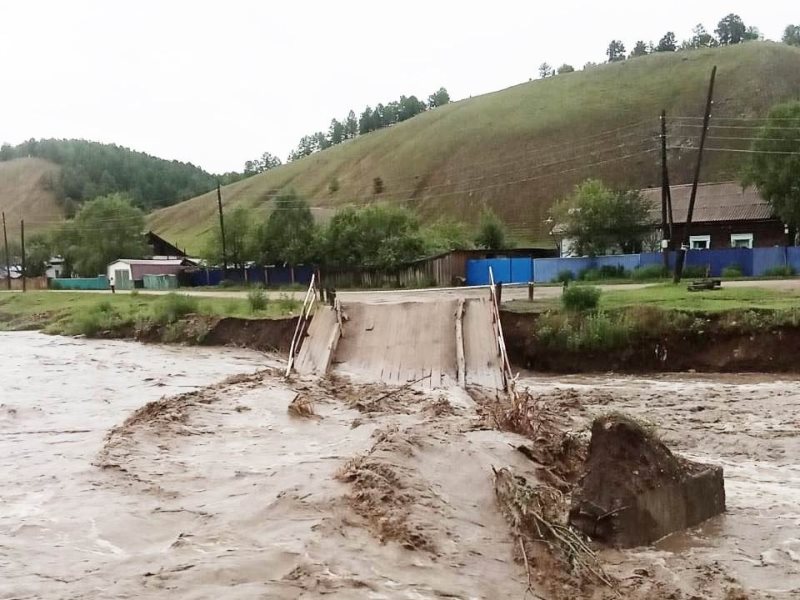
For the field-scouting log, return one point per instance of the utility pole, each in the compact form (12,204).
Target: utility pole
(222,234)
(666,233)
(706,117)
(8,259)
(22,243)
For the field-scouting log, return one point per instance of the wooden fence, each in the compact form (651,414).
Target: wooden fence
(437,271)
(32,283)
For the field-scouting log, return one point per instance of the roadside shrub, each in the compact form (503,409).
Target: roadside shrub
(604,272)
(578,298)
(780,271)
(733,270)
(227,283)
(564,276)
(257,299)
(649,272)
(172,307)
(613,272)
(590,274)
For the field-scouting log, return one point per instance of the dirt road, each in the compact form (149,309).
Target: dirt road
(510,292)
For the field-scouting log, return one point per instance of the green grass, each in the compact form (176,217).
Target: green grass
(456,158)
(676,297)
(75,313)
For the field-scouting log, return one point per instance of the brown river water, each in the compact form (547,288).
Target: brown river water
(239,500)
(748,424)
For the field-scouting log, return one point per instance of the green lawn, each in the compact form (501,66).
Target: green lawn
(677,297)
(56,311)
(668,296)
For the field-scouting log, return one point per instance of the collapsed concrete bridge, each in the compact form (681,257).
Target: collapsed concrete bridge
(438,343)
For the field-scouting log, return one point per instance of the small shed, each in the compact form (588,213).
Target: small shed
(127,273)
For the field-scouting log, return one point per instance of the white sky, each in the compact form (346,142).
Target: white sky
(217,83)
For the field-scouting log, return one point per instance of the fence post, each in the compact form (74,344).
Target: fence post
(530,291)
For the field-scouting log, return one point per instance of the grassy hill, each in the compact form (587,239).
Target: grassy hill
(519,149)
(26,192)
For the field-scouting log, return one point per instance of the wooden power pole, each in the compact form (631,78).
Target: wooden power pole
(681,258)
(222,234)
(22,243)
(666,226)
(8,258)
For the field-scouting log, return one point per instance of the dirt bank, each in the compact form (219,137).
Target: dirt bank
(717,348)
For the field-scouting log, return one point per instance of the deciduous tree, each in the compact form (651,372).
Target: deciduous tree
(289,234)
(774,167)
(492,233)
(599,220)
(104,229)
(565,68)
(731,30)
(438,98)
(791,35)
(378,235)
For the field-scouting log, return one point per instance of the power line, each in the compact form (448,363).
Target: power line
(742,150)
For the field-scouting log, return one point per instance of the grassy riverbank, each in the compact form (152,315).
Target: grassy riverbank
(660,327)
(121,315)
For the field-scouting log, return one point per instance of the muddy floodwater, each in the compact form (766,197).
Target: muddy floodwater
(219,491)
(58,399)
(749,425)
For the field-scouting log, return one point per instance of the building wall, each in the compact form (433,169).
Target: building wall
(765,233)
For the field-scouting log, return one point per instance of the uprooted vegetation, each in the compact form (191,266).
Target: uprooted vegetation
(536,515)
(383,494)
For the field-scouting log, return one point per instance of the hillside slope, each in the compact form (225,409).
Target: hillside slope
(519,149)
(26,192)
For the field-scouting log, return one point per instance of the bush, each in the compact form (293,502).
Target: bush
(604,272)
(590,274)
(781,271)
(649,272)
(172,307)
(733,270)
(257,299)
(227,283)
(564,276)
(101,317)
(578,298)
(287,304)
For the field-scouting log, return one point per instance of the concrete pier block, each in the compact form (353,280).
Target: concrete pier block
(635,491)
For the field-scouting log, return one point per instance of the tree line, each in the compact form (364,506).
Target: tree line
(371,119)
(92,169)
(730,30)
(382,236)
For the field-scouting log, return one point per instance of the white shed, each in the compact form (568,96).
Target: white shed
(124,272)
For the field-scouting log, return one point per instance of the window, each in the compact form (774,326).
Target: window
(699,242)
(741,240)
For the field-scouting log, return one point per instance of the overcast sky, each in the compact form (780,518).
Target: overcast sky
(217,83)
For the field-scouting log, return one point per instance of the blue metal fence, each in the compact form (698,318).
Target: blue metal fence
(271,276)
(753,262)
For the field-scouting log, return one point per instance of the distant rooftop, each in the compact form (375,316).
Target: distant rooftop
(714,202)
